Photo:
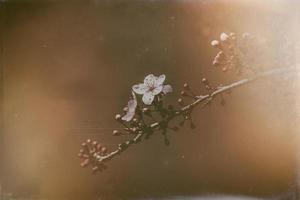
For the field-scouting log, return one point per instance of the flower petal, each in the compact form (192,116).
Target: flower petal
(157,90)
(150,80)
(167,89)
(128,117)
(140,88)
(148,98)
(161,79)
(132,104)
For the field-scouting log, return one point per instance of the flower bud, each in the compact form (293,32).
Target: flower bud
(85,163)
(180,101)
(186,86)
(116,132)
(96,168)
(125,109)
(220,56)
(145,110)
(183,93)
(204,81)
(85,156)
(122,145)
(88,141)
(232,36)
(103,150)
(118,117)
(134,129)
(216,63)
(187,117)
(224,37)
(99,146)
(215,43)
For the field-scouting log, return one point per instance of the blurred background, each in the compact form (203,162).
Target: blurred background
(67,69)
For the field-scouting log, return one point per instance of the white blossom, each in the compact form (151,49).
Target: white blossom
(151,87)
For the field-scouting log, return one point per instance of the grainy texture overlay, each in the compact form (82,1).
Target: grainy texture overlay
(67,68)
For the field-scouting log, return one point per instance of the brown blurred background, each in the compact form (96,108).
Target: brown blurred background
(68,67)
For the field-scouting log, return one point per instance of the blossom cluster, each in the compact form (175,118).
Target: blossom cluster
(147,112)
(152,92)
(232,53)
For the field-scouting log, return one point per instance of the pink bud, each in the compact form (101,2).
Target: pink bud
(224,37)
(103,150)
(85,163)
(99,146)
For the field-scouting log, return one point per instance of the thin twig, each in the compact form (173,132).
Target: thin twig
(188,108)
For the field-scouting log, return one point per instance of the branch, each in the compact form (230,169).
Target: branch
(95,154)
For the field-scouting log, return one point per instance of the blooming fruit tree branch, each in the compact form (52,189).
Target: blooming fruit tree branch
(147,112)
